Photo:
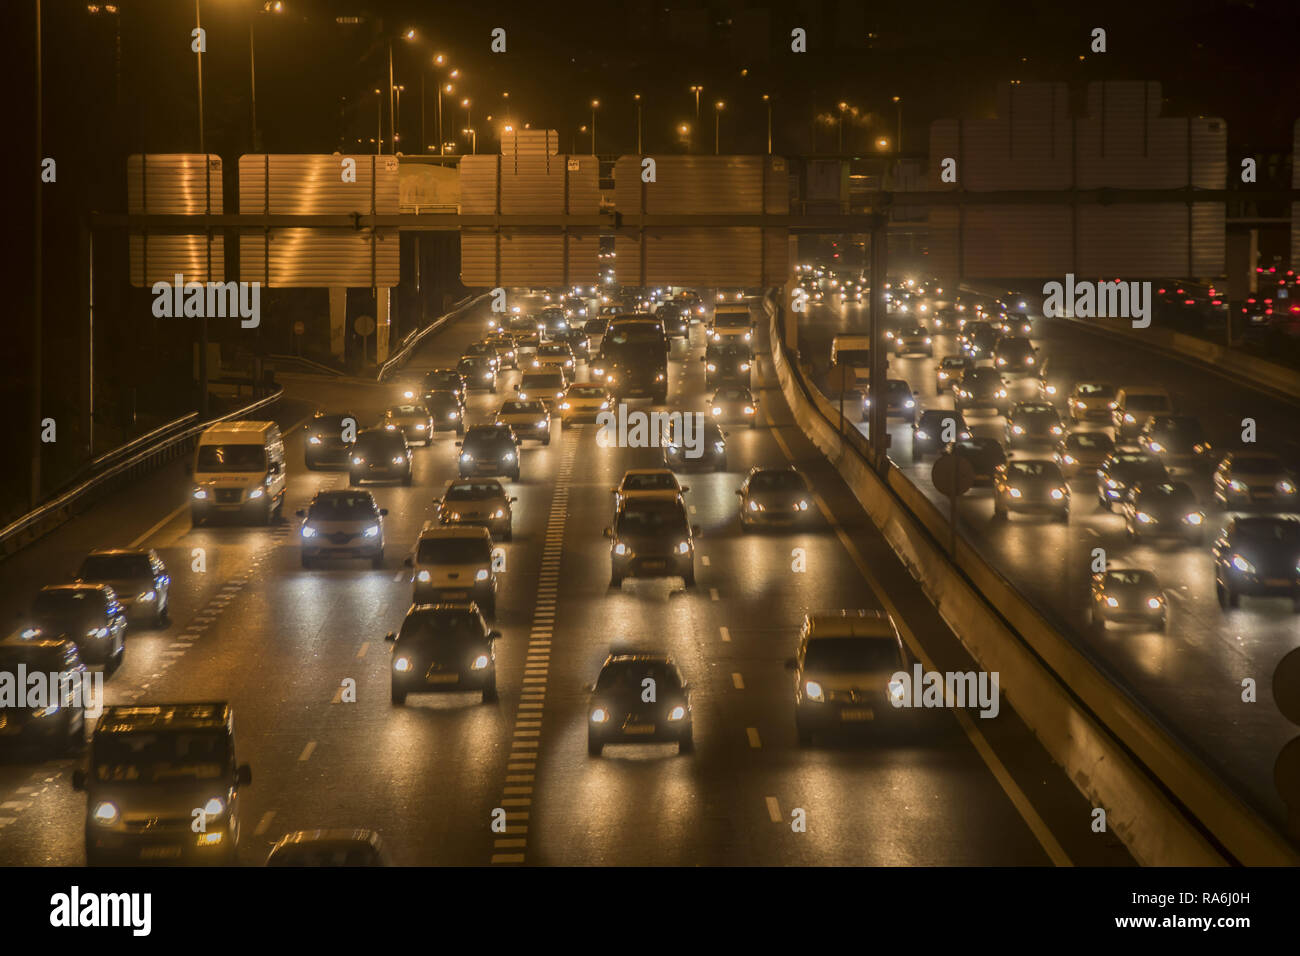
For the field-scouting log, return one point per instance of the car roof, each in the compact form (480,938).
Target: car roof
(75,586)
(341,493)
(848,623)
(337,837)
(113,552)
(640,657)
(125,718)
(433,530)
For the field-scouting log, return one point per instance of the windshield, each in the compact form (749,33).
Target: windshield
(852,654)
(447,627)
(627,677)
(160,757)
(380,443)
(454,551)
(1033,469)
(1172,493)
(652,521)
(636,333)
(231,458)
(109,567)
(522,408)
(473,491)
(857,357)
(402,411)
(442,380)
(1282,532)
(340,507)
(1257,465)
(547,380)
(1095,391)
(69,600)
(656,481)
(776,481)
(1127,577)
(331,424)
(1090,440)
(731,320)
(585,391)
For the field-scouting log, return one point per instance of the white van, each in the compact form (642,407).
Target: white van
(854,351)
(731,323)
(453,565)
(239,471)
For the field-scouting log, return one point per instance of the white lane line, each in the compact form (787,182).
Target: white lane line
(738,682)
(307,751)
(752,734)
(397,578)
(264,823)
(726,635)
(773,809)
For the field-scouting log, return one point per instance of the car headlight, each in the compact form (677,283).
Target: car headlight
(1067,459)
(1112,484)
(358,460)
(200,494)
(677,713)
(408,394)
(466,457)
(1129,419)
(599,716)
(424,577)
(214,807)
(1237,486)
(711,367)
(402,664)
(717,410)
(896,689)
(1241,564)
(543,424)
(1154,603)
(105,813)
(1194,518)
(419,426)
(255,493)
(372,531)
(508,456)
(620,548)
(1002,361)
(1057,430)
(719,447)
(1014,492)
(1112,602)
(1286,487)
(480,662)
(481,574)
(683,547)
(314,440)
(749,409)
(909,404)
(813,691)
(452,416)
(564,406)
(390,427)
(1017,430)
(398,459)
(1058,494)
(308,531)
(802,504)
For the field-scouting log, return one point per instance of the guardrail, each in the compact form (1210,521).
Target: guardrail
(135,457)
(398,359)
(1167,807)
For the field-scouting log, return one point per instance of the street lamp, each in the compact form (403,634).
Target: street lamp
(717,123)
(392,119)
(379,121)
(898,101)
(268,7)
(767,98)
(637,97)
(441,89)
(469,122)
(843,107)
(397,116)
(595,104)
(473,139)
(697,90)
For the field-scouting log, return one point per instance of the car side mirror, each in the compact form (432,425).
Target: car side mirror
(513,499)
(685,488)
(244,775)
(390,636)
(383,512)
(78,779)
(608,532)
(740,491)
(300,513)
(458,444)
(791,664)
(494,635)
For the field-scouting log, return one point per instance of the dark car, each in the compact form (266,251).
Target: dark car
(329,439)
(1033,422)
(596,326)
(1032,486)
(712,449)
(136,575)
(1121,471)
(734,404)
(447,410)
(727,363)
(676,320)
(1164,508)
(443,648)
(89,614)
(489,450)
(1258,555)
(775,496)
(445,379)
(1014,355)
(479,371)
(1128,596)
(978,340)
(577,340)
(329,848)
(936,427)
(54,722)
(980,388)
(984,454)
(948,370)
(651,538)
(1178,440)
(380,455)
(900,401)
(639,698)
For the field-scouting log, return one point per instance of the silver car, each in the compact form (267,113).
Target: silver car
(343,524)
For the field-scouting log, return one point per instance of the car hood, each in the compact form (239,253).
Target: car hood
(871,681)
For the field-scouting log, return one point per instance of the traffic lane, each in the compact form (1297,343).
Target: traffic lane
(743,699)
(1189,677)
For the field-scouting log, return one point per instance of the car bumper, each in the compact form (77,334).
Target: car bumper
(19,733)
(653,566)
(1261,500)
(835,714)
(446,682)
(327,456)
(579,414)
(1256,586)
(664,731)
(487,468)
(707,461)
(1141,616)
(170,846)
(442,594)
(366,548)
(380,472)
(1047,506)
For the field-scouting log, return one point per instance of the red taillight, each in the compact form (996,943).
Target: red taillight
(1189,301)
(1216,302)
(1160,291)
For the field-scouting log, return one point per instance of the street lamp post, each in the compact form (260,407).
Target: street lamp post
(469,121)
(768,100)
(594,105)
(397,117)
(843,107)
(207,210)
(379,121)
(473,138)
(717,124)
(898,101)
(637,97)
(442,146)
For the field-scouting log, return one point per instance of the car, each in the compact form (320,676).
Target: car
(453,564)
(551,320)
(503,346)
(1178,440)
(1122,471)
(1017,325)
(775,496)
(443,648)
(413,421)
(978,340)
(546,384)
(239,472)
(1091,402)
(482,349)
(913,340)
(936,427)
(1030,485)
(639,698)
(342,524)
(596,327)
(984,454)
(137,576)
(1132,407)
(1254,479)
(647,483)
(478,501)
(150,767)
(949,369)
(446,409)
(1164,508)
(554,355)
(676,320)
(731,322)
(577,340)
(530,419)
(900,400)
(651,537)
(480,372)
(945,321)
(583,402)
(444,379)
(380,454)
(1033,422)
(843,671)
(712,448)
(329,439)
(526,346)
(1258,555)
(489,450)
(55,725)
(981,387)
(1015,355)
(90,614)
(1080,453)
(1128,596)
(727,363)
(734,403)
(336,847)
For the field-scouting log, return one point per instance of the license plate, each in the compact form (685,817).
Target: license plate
(857,713)
(443,678)
(1263,494)
(655,565)
(455,595)
(1276,582)
(639,729)
(160,853)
